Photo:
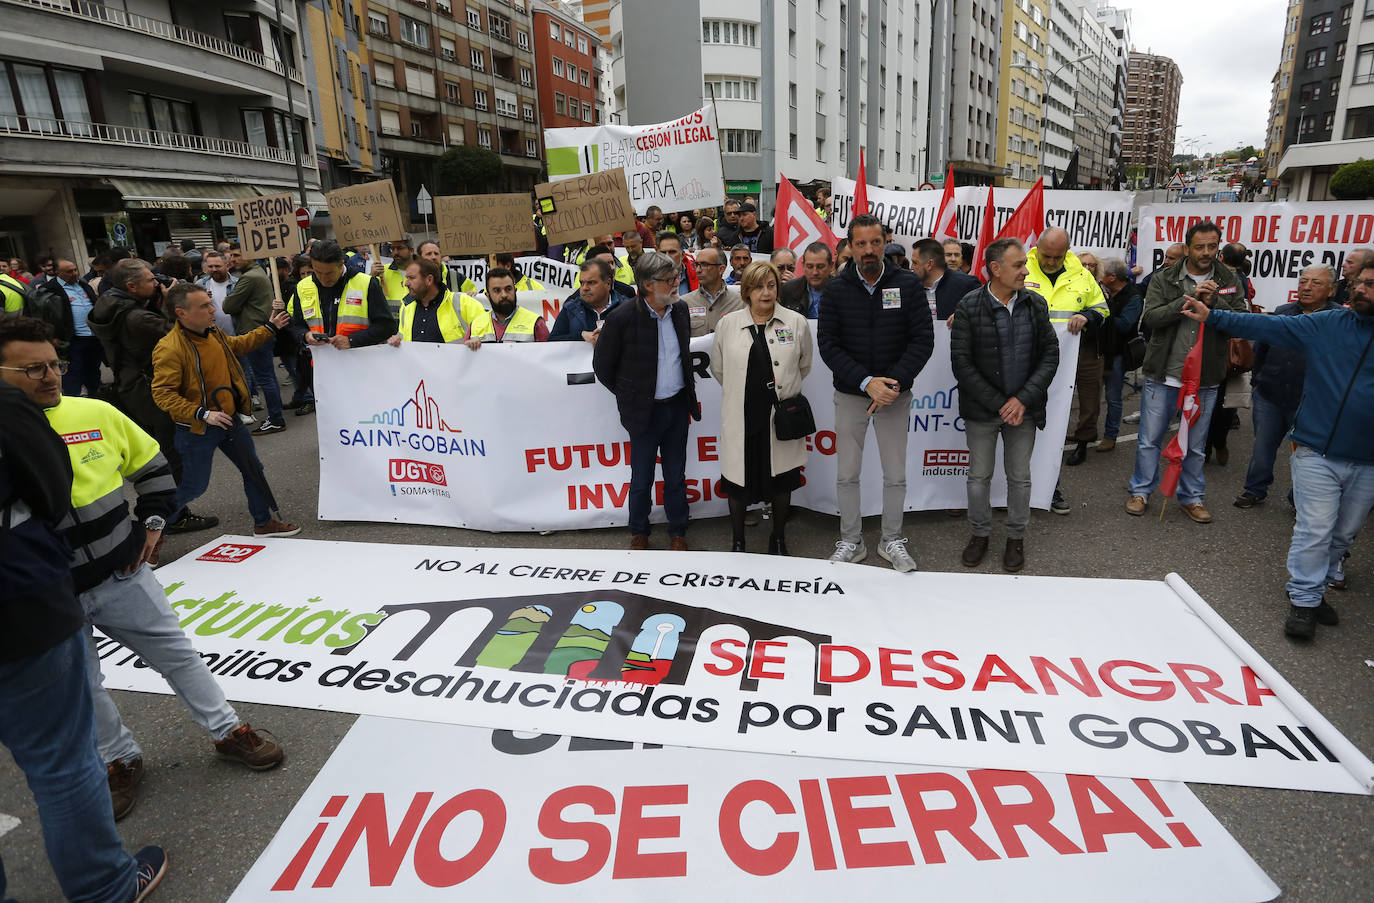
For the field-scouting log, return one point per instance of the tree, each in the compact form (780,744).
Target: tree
(1354,181)
(469,170)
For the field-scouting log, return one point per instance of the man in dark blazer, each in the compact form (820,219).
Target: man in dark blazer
(644,356)
(943,287)
(803,294)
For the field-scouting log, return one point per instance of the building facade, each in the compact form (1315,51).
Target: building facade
(1153,85)
(142,129)
(1116,27)
(1319,56)
(973,54)
(339,67)
(1280,93)
(1096,104)
(1023,82)
(567,69)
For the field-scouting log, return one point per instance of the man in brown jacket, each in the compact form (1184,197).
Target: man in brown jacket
(198,381)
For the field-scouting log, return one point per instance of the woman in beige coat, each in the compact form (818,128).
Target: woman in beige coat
(763,343)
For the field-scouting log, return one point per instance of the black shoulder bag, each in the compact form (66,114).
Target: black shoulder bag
(792,417)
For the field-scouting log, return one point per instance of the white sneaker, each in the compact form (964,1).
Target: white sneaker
(247,419)
(848,551)
(1131,418)
(895,552)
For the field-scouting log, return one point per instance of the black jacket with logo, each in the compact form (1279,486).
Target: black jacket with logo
(626,360)
(859,337)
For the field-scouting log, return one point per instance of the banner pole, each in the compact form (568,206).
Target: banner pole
(276,281)
(724,183)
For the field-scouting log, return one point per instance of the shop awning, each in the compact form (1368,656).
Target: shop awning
(146,194)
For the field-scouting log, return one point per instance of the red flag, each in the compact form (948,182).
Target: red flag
(1028,220)
(795,222)
(860,190)
(984,239)
(1188,404)
(945,225)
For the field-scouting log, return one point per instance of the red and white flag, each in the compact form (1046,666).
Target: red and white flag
(946,226)
(1028,220)
(860,190)
(796,223)
(984,239)
(1190,409)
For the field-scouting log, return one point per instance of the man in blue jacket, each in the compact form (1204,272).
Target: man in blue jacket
(583,312)
(1333,459)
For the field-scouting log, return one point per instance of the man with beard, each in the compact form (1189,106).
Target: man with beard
(1333,463)
(507,322)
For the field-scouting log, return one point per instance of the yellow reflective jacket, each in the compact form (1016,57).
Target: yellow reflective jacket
(1075,291)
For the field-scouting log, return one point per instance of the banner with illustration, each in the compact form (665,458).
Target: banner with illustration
(549,818)
(672,165)
(522,437)
(755,653)
(1283,237)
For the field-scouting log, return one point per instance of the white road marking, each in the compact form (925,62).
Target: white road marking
(7,823)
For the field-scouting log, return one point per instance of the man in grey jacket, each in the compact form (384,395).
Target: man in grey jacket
(251,304)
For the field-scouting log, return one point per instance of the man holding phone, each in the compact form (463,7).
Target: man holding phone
(875,335)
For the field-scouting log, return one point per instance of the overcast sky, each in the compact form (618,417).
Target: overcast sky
(1227,51)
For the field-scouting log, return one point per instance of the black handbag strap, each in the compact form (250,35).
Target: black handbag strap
(773,375)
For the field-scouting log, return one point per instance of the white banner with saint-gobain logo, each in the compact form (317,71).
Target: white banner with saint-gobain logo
(522,437)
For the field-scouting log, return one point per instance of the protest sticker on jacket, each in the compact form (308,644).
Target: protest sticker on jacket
(551,818)
(564,463)
(674,165)
(755,653)
(1097,221)
(1283,237)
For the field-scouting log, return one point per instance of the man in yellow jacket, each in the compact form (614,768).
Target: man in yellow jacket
(198,381)
(431,312)
(1074,297)
(507,322)
(393,275)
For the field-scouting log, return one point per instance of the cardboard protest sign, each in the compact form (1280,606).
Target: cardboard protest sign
(484,224)
(578,208)
(1129,678)
(365,214)
(390,818)
(267,226)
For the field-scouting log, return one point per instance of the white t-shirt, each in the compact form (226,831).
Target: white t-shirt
(218,291)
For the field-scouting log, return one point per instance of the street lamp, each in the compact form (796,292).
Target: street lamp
(1044,95)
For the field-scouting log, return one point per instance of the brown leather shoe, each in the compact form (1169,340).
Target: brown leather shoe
(1014,558)
(1135,505)
(124,777)
(677,544)
(1199,514)
(257,750)
(639,542)
(975,550)
(1106,445)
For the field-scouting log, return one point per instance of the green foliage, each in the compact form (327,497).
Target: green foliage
(1353,181)
(469,170)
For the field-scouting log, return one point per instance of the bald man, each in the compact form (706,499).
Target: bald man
(1355,261)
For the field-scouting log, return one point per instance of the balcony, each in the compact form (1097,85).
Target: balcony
(87,11)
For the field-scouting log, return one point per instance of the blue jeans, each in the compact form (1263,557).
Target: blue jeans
(1333,498)
(666,439)
(47,723)
(1157,405)
(260,363)
(83,358)
(1272,423)
(1115,379)
(198,454)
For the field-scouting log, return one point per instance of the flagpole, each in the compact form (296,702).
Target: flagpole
(715,114)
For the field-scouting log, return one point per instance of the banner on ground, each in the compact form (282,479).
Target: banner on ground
(755,653)
(1097,221)
(551,453)
(673,165)
(544,817)
(1284,237)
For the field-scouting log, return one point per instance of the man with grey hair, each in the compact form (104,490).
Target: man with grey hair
(644,356)
(1350,272)
(712,298)
(1276,382)
(785,259)
(1123,323)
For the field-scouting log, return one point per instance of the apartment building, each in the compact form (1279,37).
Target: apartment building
(1023,85)
(1153,85)
(567,69)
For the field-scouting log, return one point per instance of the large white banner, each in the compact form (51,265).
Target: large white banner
(522,437)
(505,816)
(673,165)
(1097,221)
(754,653)
(554,275)
(1284,237)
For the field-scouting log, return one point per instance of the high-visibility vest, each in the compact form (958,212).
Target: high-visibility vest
(13,292)
(1075,291)
(352,305)
(519,329)
(526,284)
(394,288)
(453,319)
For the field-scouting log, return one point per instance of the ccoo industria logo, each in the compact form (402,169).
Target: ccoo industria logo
(418,424)
(600,635)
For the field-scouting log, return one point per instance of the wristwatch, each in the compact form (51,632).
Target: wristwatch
(155,524)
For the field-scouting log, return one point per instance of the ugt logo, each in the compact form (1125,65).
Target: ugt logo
(230,553)
(403,470)
(608,635)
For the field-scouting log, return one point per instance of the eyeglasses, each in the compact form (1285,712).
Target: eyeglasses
(36,372)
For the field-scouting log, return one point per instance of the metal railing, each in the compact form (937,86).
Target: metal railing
(118,18)
(130,136)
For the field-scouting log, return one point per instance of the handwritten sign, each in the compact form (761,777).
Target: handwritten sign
(484,224)
(581,207)
(365,214)
(267,226)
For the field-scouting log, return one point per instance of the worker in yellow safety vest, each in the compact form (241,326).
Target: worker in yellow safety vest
(13,292)
(507,321)
(431,312)
(393,275)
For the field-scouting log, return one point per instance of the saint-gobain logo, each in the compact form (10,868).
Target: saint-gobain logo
(230,553)
(946,457)
(402,470)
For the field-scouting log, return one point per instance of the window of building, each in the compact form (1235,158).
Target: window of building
(1340,52)
(1359,121)
(820,150)
(479,59)
(739,141)
(377,24)
(383,72)
(456,134)
(1364,65)
(417,127)
(581,43)
(531,147)
(160,114)
(448,49)
(717,31)
(528,110)
(416,33)
(506,105)
(1321,23)
(555,31)
(474,18)
(557,67)
(1316,58)
(522,38)
(526,77)
(419,81)
(484,137)
(498,26)
(1310,91)
(560,104)
(390,122)
(584,78)
(453,92)
(1345,15)
(569,38)
(479,98)
(587,112)
(733,88)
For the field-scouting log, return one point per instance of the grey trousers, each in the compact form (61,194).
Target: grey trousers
(890,426)
(1017,444)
